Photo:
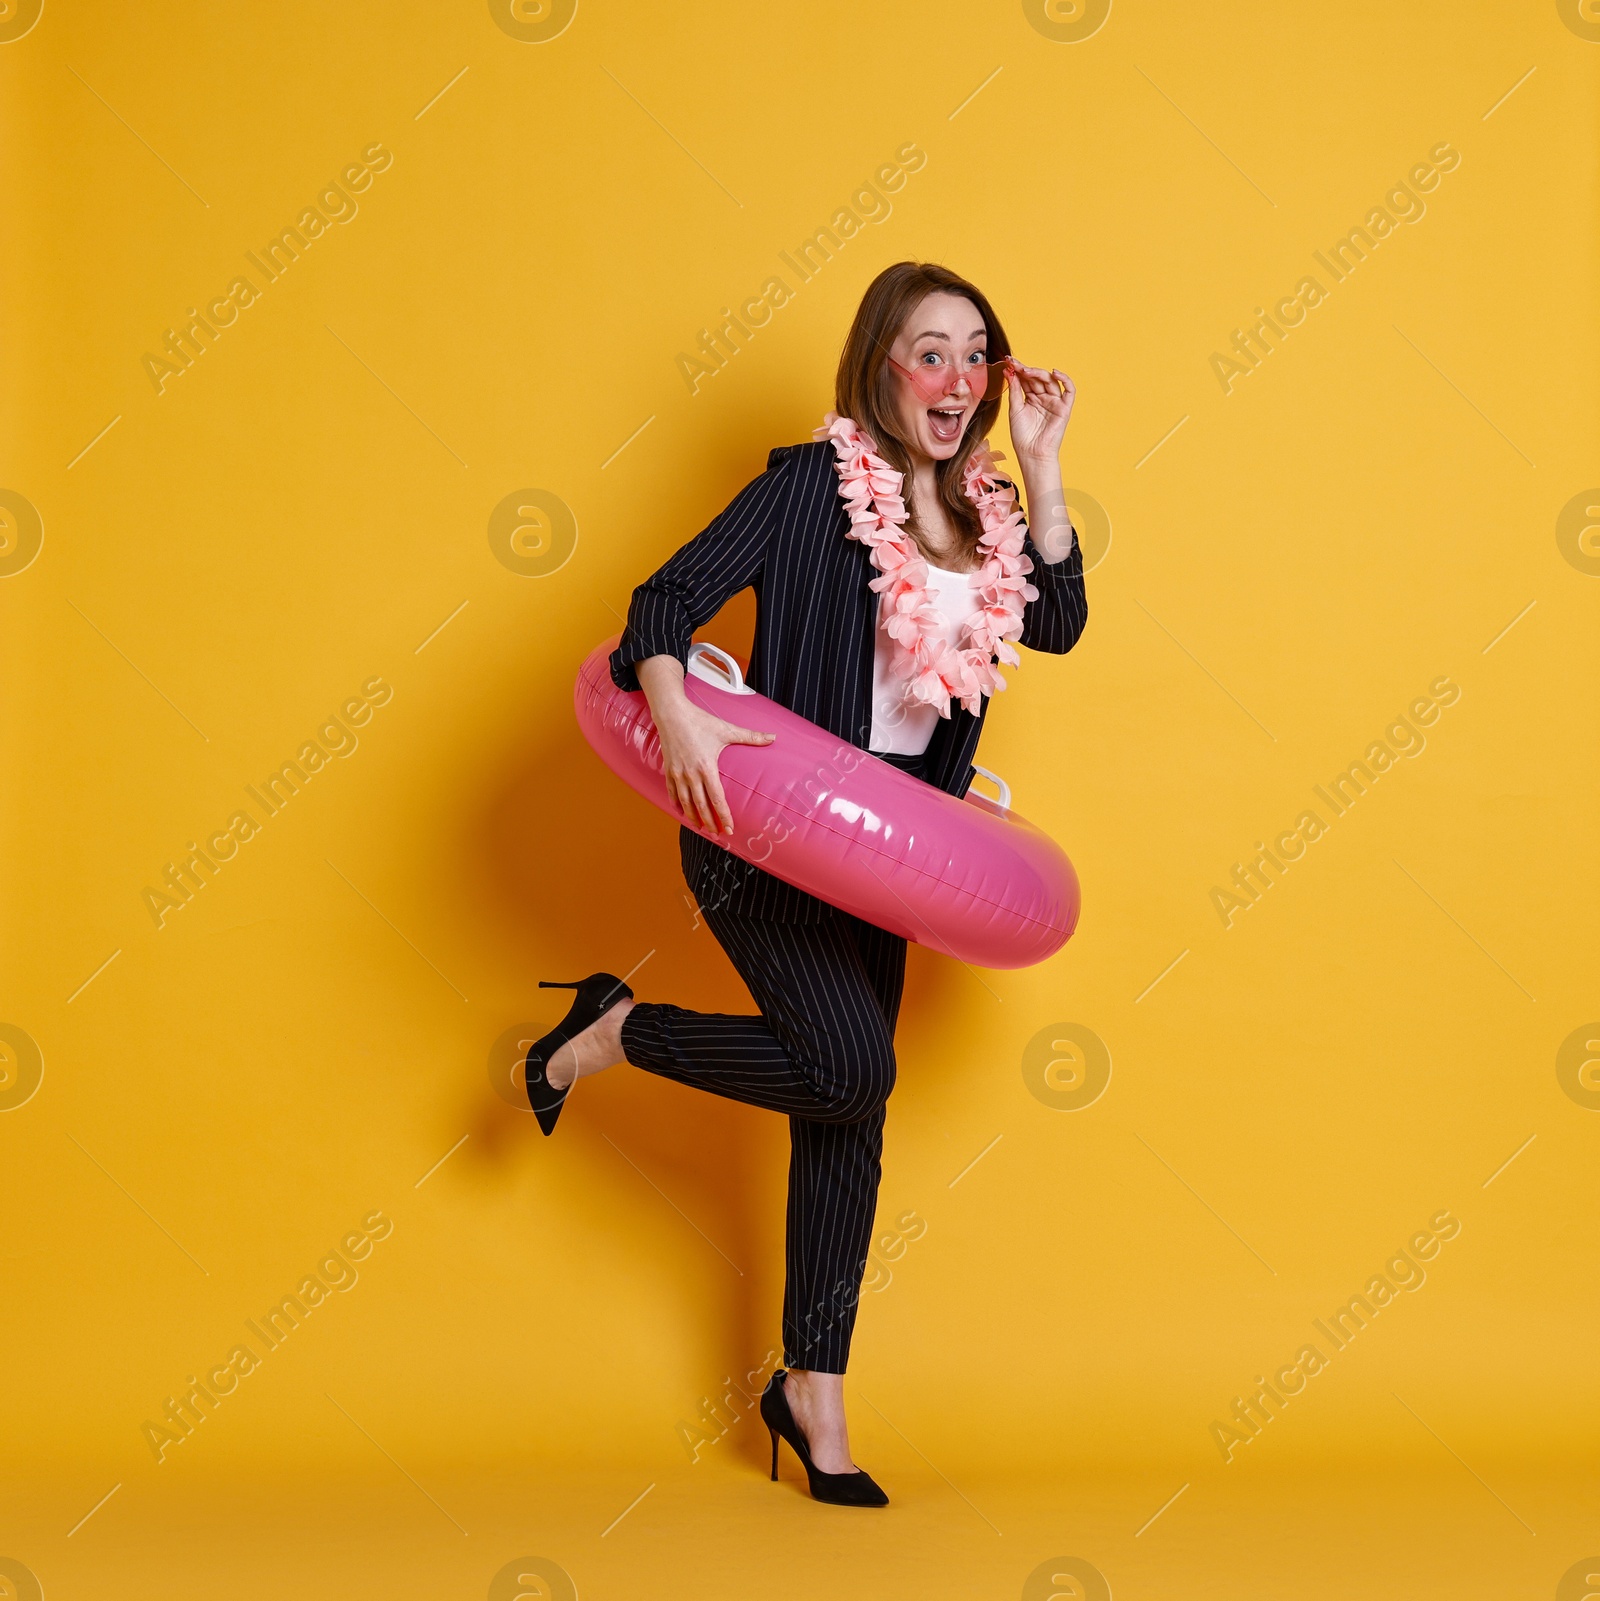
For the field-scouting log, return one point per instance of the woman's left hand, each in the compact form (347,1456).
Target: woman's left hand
(1041,404)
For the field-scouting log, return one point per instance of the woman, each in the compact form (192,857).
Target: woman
(897,499)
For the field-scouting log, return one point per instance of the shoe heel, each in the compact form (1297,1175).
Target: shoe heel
(774,1433)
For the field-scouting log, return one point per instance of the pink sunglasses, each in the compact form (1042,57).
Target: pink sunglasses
(987,378)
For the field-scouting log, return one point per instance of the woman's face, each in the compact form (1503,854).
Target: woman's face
(944,334)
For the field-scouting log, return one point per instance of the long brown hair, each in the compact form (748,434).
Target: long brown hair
(863,388)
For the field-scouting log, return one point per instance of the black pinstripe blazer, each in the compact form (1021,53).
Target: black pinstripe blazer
(785,536)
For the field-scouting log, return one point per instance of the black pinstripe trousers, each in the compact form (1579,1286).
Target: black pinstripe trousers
(822,1051)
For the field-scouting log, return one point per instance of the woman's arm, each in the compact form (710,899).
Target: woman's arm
(688,589)
(1041,406)
(691,742)
(1054,621)
(693,584)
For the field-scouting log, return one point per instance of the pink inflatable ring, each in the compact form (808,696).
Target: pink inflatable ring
(965,877)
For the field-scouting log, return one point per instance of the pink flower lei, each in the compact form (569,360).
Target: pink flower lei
(935,673)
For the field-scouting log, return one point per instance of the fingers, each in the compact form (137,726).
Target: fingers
(710,806)
(681,792)
(1025,389)
(704,812)
(693,783)
(678,793)
(719,804)
(698,795)
(1047,383)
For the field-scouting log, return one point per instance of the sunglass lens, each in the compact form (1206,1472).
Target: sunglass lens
(988,381)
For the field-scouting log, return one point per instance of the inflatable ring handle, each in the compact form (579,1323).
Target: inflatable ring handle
(722,671)
(999,783)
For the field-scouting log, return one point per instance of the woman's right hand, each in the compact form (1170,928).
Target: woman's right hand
(691,741)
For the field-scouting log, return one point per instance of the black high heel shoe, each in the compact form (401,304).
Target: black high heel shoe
(838,1489)
(597,994)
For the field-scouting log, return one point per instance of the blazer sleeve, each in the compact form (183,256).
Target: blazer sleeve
(691,586)
(1054,621)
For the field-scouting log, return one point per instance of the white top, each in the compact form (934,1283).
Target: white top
(906,729)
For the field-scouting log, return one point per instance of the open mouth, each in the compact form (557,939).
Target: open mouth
(945,422)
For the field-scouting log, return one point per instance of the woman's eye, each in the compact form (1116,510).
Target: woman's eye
(932,358)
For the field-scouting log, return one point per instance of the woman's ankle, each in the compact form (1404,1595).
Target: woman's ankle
(614,1036)
(594,1050)
(817,1402)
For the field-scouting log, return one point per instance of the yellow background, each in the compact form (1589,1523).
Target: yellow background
(302,510)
